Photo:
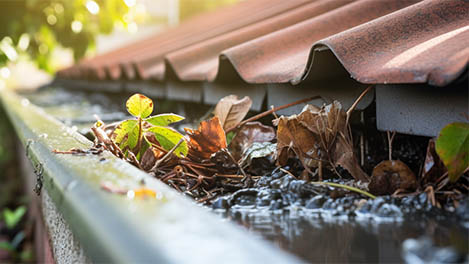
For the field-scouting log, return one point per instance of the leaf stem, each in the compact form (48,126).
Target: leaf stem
(139,142)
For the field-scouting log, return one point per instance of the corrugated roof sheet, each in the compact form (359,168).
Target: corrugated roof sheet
(275,41)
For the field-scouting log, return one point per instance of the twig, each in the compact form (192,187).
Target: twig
(287,172)
(390,140)
(362,150)
(235,176)
(134,159)
(350,110)
(237,164)
(350,188)
(362,141)
(206,198)
(273,113)
(268,112)
(73,151)
(430,194)
(167,155)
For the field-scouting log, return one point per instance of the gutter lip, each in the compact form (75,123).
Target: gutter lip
(112,228)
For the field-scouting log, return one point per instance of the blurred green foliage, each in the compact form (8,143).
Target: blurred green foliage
(36,27)
(188,8)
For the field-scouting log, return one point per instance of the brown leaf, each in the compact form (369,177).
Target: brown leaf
(231,110)
(433,167)
(319,135)
(207,139)
(330,126)
(391,175)
(249,133)
(150,157)
(295,139)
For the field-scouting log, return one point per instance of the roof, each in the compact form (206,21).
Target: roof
(276,41)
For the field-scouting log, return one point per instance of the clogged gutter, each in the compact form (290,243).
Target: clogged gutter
(226,158)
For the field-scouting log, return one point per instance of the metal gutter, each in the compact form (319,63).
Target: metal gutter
(114,228)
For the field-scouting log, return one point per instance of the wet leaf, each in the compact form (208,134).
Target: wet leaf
(452,146)
(126,134)
(231,110)
(391,175)
(257,150)
(247,135)
(139,105)
(168,138)
(207,139)
(164,119)
(433,167)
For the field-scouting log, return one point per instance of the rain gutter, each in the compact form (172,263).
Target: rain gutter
(114,228)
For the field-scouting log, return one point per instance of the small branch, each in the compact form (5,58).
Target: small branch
(350,188)
(287,172)
(237,164)
(273,113)
(134,160)
(390,140)
(268,112)
(235,176)
(350,110)
(158,163)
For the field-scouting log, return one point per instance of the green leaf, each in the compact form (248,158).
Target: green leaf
(452,146)
(145,145)
(12,218)
(168,138)
(6,246)
(164,119)
(230,137)
(139,105)
(126,134)
(26,255)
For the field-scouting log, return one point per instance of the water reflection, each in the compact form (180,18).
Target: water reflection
(324,239)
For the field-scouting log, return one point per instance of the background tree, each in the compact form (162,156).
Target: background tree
(35,28)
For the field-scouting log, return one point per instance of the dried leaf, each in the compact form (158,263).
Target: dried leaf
(150,157)
(452,146)
(391,175)
(433,167)
(231,110)
(294,139)
(139,105)
(257,150)
(208,139)
(247,135)
(319,135)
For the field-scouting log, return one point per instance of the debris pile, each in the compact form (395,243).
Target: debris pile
(229,154)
